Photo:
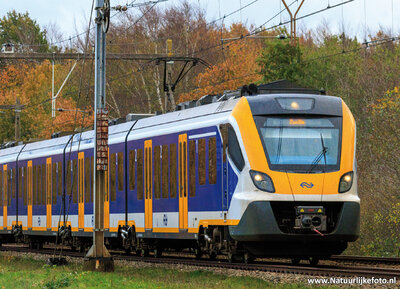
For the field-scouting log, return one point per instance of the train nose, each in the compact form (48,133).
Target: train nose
(306,186)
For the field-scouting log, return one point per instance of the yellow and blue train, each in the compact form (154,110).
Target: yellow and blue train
(268,174)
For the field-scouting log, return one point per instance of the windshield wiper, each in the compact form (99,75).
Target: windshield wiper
(320,155)
(278,151)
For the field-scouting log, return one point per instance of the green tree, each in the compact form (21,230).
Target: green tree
(22,31)
(280,60)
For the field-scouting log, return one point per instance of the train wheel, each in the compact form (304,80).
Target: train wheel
(157,253)
(231,258)
(313,261)
(295,261)
(248,258)
(144,253)
(198,253)
(213,255)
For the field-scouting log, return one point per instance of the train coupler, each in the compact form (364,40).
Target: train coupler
(311,218)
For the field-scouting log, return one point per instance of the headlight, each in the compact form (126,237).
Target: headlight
(346,181)
(262,181)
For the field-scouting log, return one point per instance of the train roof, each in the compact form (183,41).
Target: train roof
(85,139)
(262,102)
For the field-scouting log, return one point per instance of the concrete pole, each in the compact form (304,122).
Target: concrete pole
(98,257)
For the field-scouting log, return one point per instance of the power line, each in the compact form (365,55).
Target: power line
(365,45)
(260,29)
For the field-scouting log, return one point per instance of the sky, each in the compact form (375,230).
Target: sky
(72,16)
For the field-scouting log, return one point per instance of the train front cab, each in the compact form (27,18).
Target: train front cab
(289,179)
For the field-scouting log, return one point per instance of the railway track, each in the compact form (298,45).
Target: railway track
(366,259)
(321,270)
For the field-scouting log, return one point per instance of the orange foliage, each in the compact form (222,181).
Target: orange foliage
(238,67)
(32,85)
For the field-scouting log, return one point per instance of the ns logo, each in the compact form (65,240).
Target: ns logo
(306,185)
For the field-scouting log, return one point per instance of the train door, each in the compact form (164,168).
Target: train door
(5,197)
(225,166)
(30,194)
(48,193)
(81,192)
(148,193)
(183,184)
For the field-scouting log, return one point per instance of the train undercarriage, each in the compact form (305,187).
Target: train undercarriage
(209,243)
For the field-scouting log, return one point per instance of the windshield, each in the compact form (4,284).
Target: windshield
(294,144)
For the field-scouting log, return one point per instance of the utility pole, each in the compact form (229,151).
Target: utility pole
(293,37)
(18,107)
(169,93)
(17,119)
(98,258)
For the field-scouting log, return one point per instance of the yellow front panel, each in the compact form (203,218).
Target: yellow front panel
(48,193)
(5,200)
(258,161)
(254,149)
(347,153)
(307,184)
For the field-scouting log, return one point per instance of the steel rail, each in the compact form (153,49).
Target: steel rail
(321,270)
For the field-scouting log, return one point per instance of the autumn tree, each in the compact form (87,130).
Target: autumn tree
(22,31)
(32,85)
(237,66)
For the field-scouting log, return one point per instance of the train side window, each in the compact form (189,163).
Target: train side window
(224,133)
(173,171)
(13,184)
(234,149)
(91,178)
(54,183)
(25,179)
(20,187)
(192,168)
(68,181)
(8,187)
(212,160)
(59,176)
(43,183)
(132,170)
(140,174)
(157,167)
(75,181)
(35,192)
(164,172)
(39,185)
(120,171)
(87,180)
(48,183)
(202,161)
(1,188)
(113,188)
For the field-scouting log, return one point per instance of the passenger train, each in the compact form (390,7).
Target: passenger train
(258,172)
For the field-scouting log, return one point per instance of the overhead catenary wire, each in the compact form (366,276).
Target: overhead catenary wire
(364,45)
(261,29)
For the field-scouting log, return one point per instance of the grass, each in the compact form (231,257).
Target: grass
(24,272)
